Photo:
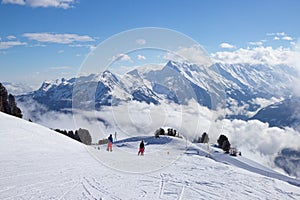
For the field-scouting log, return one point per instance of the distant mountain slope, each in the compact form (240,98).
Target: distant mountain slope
(289,160)
(39,163)
(285,113)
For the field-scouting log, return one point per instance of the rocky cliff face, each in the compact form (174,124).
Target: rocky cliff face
(8,104)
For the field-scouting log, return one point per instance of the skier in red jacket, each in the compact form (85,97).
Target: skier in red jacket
(110,142)
(142,148)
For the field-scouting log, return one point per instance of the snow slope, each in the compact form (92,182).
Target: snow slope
(37,163)
(242,162)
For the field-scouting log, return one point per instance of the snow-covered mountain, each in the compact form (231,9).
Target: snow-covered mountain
(37,162)
(281,114)
(177,82)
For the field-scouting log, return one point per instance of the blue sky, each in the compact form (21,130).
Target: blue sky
(48,39)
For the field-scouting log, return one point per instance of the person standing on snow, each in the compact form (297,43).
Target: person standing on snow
(142,148)
(110,142)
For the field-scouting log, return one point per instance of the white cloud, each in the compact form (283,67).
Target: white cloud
(89,46)
(280,36)
(135,118)
(141,57)
(121,57)
(258,55)
(234,108)
(65,4)
(296,63)
(58,38)
(141,41)
(265,102)
(92,47)
(276,34)
(276,38)
(38,45)
(258,141)
(288,38)
(9,44)
(61,68)
(18,2)
(193,54)
(11,37)
(259,43)
(225,45)
(61,51)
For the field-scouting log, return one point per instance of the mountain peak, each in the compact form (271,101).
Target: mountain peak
(109,78)
(173,65)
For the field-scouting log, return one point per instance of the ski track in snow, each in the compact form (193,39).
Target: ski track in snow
(36,163)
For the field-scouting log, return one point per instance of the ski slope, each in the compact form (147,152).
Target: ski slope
(37,163)
(242,162)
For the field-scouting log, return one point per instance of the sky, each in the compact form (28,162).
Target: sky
(50,39)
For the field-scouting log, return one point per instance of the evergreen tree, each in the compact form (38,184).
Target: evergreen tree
(224,143)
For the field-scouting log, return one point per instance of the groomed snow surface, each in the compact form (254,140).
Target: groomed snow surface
(37,163)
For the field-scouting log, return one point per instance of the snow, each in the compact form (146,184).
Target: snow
(37,163)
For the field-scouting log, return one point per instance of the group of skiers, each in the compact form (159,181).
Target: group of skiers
(110,142)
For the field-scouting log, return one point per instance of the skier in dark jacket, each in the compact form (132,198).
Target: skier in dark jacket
(142,148)
(110,142)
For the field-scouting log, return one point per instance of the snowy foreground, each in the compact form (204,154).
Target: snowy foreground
(37,163)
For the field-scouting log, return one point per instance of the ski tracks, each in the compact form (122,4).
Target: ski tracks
(173,188)
(95,191)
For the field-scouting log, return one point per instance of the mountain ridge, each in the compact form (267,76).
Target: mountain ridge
(230,85)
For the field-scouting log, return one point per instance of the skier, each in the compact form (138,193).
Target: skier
(142,148)
(110,142)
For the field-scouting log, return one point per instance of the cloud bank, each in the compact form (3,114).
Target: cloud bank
(258,141)
(258,55)
(58,38)
(10,44)
(64,4)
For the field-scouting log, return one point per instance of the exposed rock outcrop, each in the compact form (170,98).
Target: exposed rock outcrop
(8,104)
